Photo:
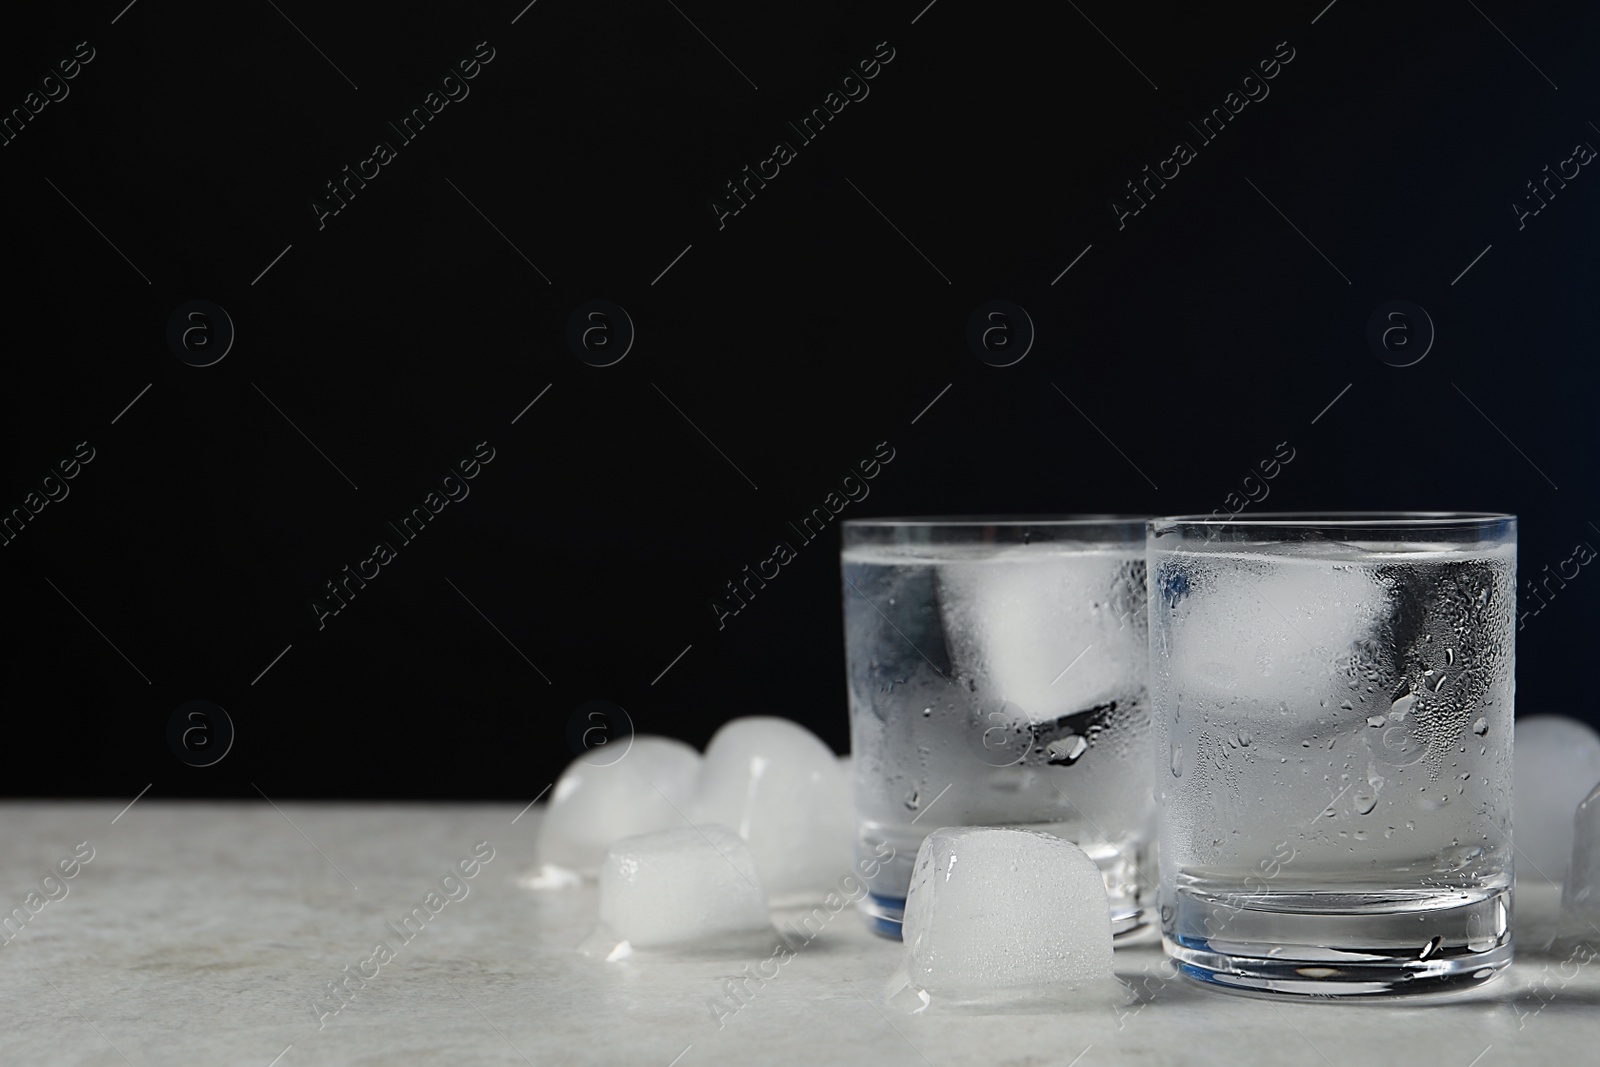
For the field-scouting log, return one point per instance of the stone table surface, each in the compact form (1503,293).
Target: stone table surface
(205,933)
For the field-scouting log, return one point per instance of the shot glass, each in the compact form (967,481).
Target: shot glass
(1332,703)
(997,677)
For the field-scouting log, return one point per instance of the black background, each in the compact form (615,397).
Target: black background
(815,324)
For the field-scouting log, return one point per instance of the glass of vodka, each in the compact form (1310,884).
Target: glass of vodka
(1332,713)
(997,677)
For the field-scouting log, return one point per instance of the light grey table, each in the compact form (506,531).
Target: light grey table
(203,933)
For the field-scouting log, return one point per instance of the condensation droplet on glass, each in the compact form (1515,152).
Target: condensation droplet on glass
(1177,761)
(1481,727)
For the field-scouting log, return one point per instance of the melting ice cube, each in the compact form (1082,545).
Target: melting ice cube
(697,884)
(1005,909)
(1555,762)
(592,806)
(780,788)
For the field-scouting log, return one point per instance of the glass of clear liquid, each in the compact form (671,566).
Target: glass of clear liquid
(997,677)
(1332,713)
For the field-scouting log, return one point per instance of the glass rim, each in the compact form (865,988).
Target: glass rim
(1001,520)
(1341,520)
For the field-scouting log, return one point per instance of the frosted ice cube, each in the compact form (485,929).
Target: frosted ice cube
(1048,625)
(1555,761)
(1236,631)
(1005,909)
(1580,894)
(780,788)
(696,884)
(592,806)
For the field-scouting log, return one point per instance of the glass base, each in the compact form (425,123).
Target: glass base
(883,914)
(1345,945)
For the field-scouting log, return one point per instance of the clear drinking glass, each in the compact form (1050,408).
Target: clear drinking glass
(1332,707)
(997,678)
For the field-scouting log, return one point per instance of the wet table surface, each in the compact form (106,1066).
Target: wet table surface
(209,933)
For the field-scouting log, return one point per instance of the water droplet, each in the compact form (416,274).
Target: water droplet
(926,712)
(1431,947)
(1402,706)
(1361,835)
(1244,737)
(914,801)
(1377,721)
(1345,705)
(1481,727)
(1305,744)
(1177,761)
(1364,802)
(1450,657)
(1389,832)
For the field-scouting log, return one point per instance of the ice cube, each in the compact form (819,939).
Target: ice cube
(1052,627)
(1005,910)
(1555,761)
(1580,893)
(1235,631)
(776,784)
(592,806)
(697,884)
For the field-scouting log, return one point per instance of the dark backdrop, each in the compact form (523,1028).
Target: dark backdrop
(774,348)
